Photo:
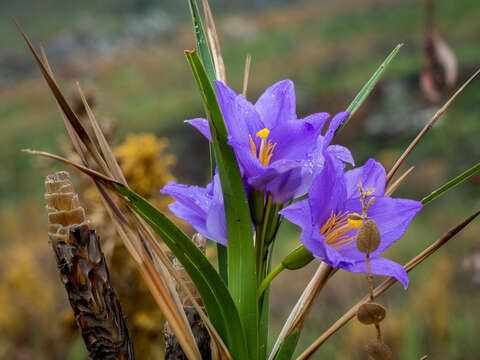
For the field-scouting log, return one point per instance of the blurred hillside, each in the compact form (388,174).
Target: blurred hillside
(129,56)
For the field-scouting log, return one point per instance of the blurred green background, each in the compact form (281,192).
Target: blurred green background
(128,55)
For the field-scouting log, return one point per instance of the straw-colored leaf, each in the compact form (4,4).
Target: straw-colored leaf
(302,307)
(398,182)
(246,74)
(214,43)
(427,127)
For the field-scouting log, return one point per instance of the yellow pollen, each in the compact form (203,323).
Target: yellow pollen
(336,229)
(265,152)
(263,134)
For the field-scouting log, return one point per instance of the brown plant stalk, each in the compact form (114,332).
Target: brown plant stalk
(350,314)
(84,272)
(427,127)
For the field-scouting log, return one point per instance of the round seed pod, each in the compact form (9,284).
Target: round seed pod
(378,351)
(371,313)
(368,237)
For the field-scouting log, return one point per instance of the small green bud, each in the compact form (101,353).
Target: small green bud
(298,258)
(257,205)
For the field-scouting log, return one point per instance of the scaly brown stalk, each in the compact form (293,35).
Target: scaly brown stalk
(84,272)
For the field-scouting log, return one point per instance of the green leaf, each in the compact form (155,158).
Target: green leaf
(219,304)
(201,40)
(286,350)
(207,61)
(241,254)
(451,184)
(222,257)
(368,87)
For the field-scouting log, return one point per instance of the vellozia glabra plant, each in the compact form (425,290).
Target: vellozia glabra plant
(267,165)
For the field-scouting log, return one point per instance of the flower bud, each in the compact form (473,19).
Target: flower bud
(371,313)
(298,258)
(379,351)
(368,237)
(257,206)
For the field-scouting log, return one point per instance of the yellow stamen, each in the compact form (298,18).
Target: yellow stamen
(252,146)
(265,152)
(263,134)
(336,228)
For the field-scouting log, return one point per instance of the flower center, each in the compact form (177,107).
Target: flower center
(336,228)
(266,147)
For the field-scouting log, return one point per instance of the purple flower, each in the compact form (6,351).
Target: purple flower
(329,234)
(201,207)
(275,150)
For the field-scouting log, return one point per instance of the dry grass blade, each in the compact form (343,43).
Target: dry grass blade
(302,307)
(427,127)
(63,104)
(246,74)
(397,183)
(350,314)
(214,43)
(105,148)
(92,173)
(77,143)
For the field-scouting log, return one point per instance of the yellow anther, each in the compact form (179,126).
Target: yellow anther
(336,229)
(252,146)
(265,152)
(355,223)
(263,134)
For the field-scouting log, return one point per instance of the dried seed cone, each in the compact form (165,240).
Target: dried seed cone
(368,237)
(173,350)
(378,351)
(83,271)
(371,313)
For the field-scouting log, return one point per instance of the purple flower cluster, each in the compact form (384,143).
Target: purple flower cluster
(329,234)
(287,157)
(276,151)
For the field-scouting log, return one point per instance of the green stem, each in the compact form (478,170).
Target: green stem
(268,279)
(261,232)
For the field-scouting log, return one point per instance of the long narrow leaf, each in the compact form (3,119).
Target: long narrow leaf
(286,350)
(368,87)
(201,41)
(241,254)
(218,302)
(451,184)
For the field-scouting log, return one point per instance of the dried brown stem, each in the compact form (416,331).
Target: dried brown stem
(84,272)
(350,314)
(246,74)
(297,316)
(397,183)
(214,43)
(427,127)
